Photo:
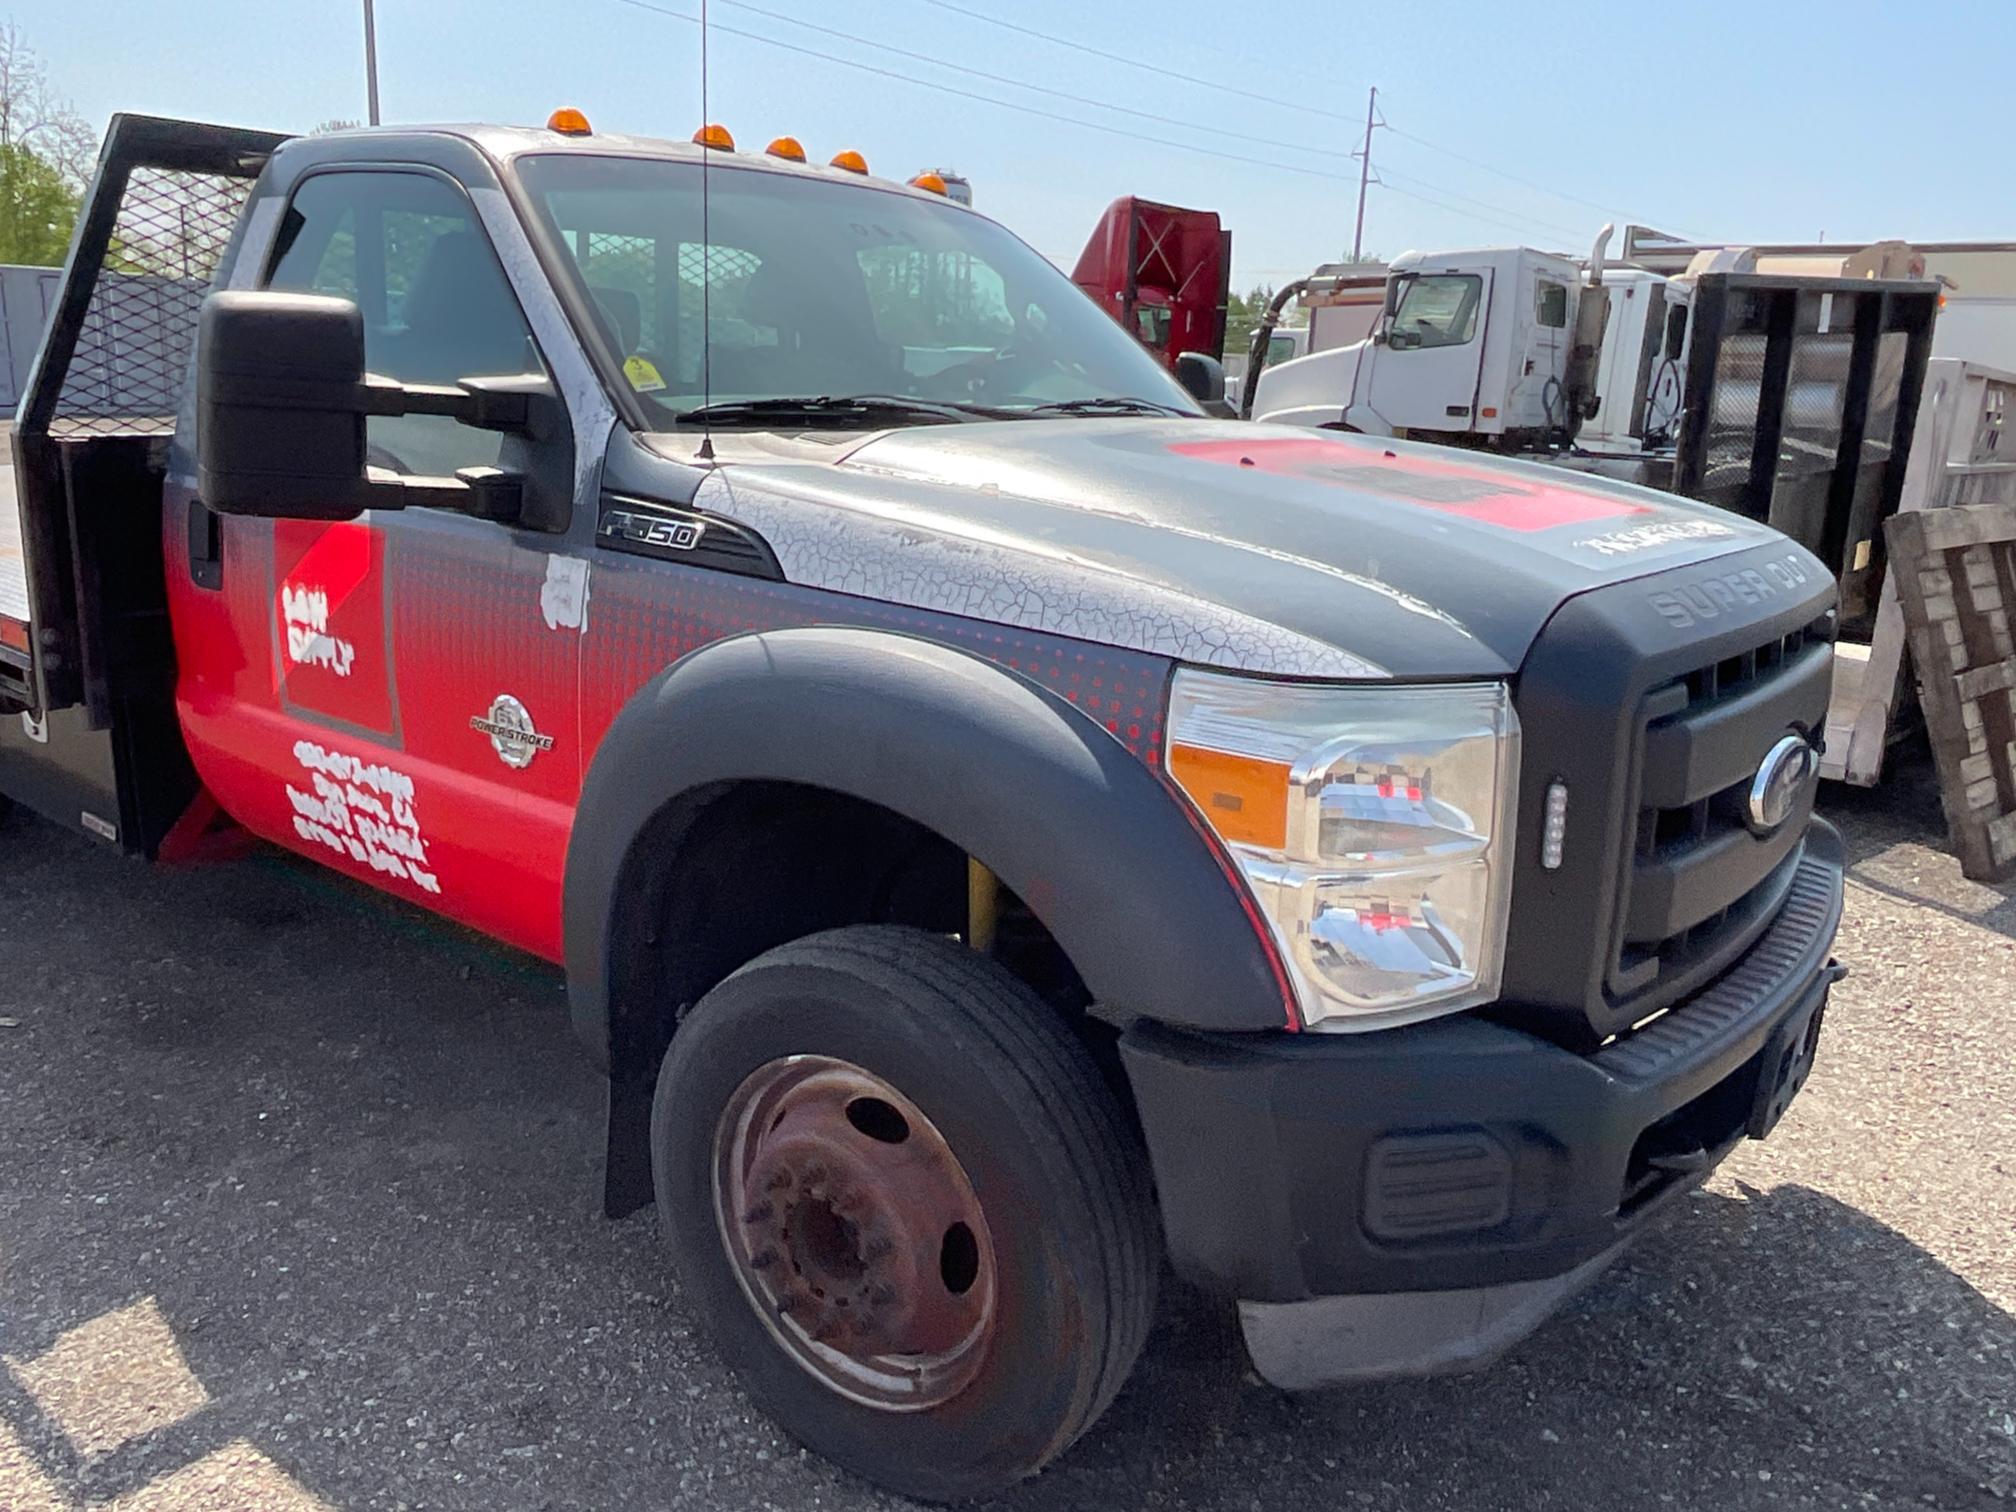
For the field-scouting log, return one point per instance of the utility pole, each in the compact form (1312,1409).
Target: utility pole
(1364,171)
(371,74)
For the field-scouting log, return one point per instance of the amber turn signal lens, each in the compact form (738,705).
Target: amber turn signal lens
(1245,798)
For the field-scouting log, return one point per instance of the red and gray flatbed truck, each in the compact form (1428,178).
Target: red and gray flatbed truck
(1004,831)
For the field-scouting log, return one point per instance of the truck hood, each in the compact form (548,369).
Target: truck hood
(1403,560)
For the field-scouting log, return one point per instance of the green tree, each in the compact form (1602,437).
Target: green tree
(35,116)
(1242,314)
(37,209)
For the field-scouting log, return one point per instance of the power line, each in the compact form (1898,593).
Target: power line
(1506,173)
(1484,206)
(1113,57)
(1042,89)
(1275,100)
(1488,213)
(967,94)
(1440,204)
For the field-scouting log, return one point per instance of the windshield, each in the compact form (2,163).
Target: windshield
(1437,310)
(824,289)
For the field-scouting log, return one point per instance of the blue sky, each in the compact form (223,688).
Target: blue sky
(1768,120)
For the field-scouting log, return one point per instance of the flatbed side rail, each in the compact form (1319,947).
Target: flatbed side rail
(160,212)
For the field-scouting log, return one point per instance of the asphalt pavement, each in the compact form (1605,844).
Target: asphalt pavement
(298,1209)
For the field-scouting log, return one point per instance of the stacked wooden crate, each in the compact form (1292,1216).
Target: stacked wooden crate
(1955,571)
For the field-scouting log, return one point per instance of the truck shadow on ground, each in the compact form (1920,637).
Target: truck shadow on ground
(298,1194)
(1898,843)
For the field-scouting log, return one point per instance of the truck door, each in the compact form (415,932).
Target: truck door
(1425,378)
(395,695)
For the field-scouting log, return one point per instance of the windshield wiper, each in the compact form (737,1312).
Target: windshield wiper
(802,409)
(1108,404)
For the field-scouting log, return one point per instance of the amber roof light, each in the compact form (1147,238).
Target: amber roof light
(851,160)
(787,147)
(569,122)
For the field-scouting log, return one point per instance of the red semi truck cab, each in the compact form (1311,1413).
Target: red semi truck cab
(1001,827)
(1163,272)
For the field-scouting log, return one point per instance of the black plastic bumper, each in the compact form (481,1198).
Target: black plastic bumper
(1464,1153)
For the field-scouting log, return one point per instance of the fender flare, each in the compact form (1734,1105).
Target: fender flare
(1107,856)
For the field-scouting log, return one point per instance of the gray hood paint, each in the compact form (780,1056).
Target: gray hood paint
(1252,547)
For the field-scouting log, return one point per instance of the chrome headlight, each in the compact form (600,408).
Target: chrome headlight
(1374,825)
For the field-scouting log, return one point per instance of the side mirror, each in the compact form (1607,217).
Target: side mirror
(281,401)
(1203,379)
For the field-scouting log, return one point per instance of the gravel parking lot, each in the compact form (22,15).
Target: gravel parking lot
(298,1209)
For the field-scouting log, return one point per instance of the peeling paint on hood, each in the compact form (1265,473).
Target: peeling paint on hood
(1396,558)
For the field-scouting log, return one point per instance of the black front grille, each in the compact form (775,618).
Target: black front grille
(1653,702)
(1699,884)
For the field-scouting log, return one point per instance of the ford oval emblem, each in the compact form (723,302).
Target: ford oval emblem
(1788,767)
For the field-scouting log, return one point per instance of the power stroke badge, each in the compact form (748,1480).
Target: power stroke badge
(512,735)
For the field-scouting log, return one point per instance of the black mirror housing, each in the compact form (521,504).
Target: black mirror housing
(281,402)
(1203,379)
(279,425)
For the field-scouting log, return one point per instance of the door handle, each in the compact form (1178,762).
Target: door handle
(206,546)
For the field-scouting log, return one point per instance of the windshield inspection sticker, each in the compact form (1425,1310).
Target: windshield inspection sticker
(362,810)
(643,374)
(1475,493)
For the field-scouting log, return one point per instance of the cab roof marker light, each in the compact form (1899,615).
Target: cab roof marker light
(930,183)
(850,160)
(1554,834)
(569,122)
(788,148)
(714,135)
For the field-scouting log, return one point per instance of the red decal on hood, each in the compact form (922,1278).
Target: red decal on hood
(1454,487)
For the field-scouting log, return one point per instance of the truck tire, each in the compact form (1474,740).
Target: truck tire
(911,1210)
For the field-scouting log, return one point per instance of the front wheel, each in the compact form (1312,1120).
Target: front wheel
(910,1208)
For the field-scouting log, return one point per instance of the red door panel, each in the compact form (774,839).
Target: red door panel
(330,690)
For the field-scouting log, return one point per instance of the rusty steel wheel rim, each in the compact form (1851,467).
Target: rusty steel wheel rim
(854,1232)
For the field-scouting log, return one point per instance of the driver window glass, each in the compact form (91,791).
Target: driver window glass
(1438,310)
(1550,304)
(1152,323)
(407,249)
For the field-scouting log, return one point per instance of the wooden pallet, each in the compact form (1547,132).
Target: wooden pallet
(1955,571)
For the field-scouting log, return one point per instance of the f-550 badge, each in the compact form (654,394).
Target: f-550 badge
(653,530)
(512,736)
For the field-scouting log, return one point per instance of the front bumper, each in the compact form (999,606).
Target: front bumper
(1465,1155)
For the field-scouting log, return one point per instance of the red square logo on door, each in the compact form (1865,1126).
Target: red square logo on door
(332,653)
